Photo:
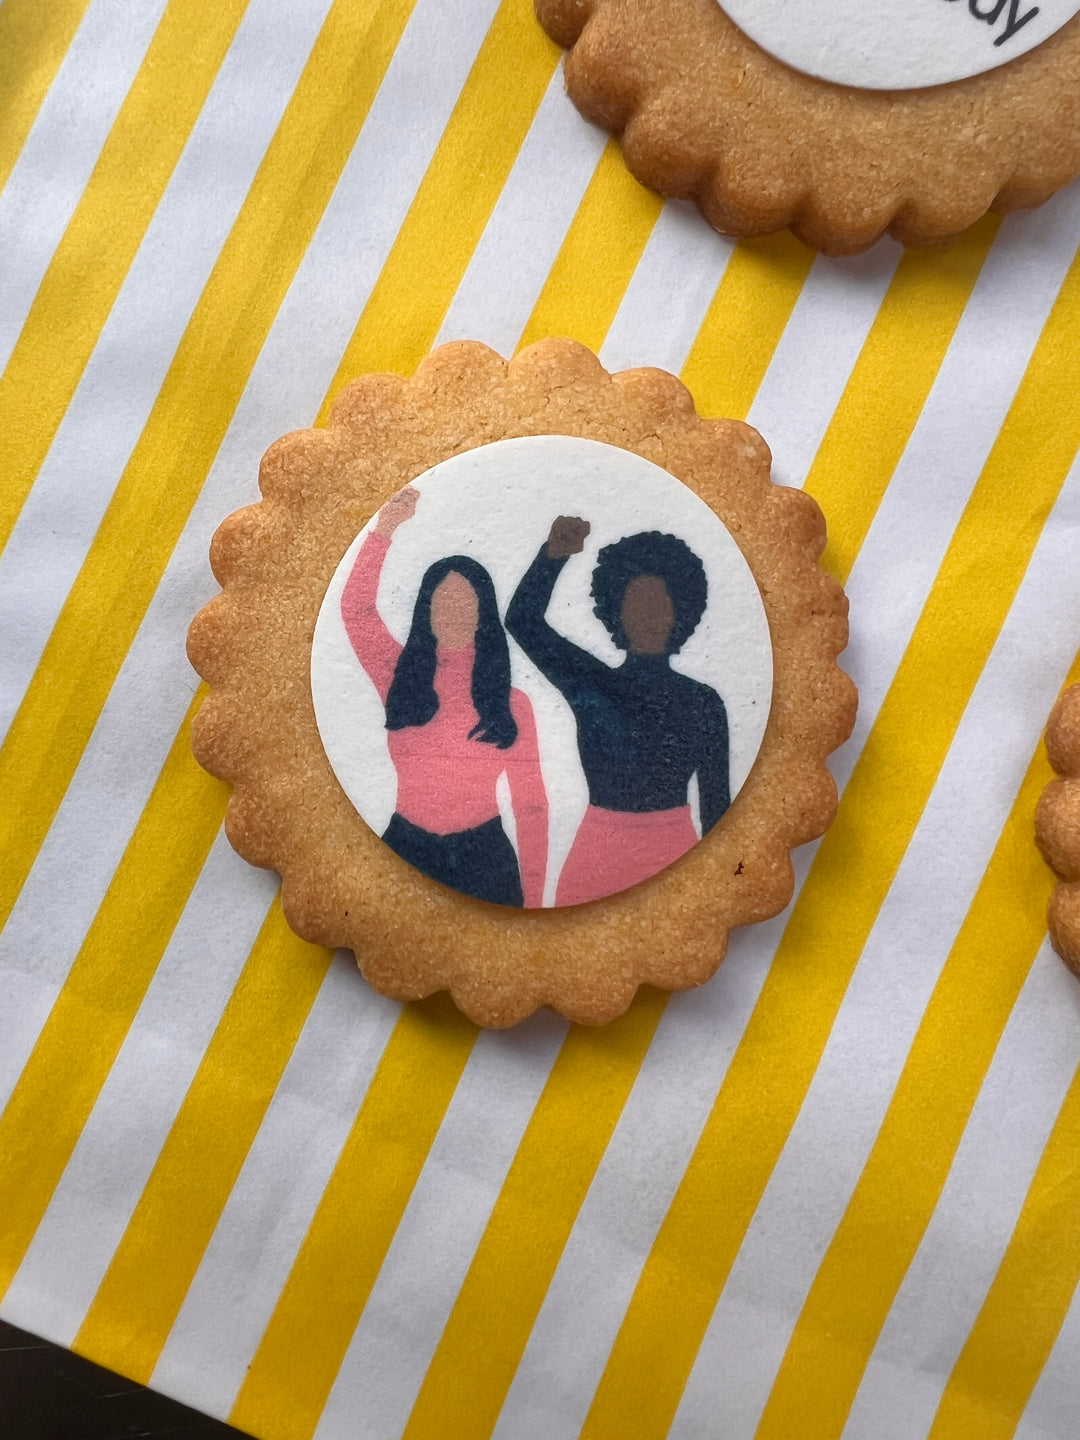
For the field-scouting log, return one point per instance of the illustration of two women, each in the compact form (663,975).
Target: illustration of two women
(456,725)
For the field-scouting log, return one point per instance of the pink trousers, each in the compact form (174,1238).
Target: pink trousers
(614,849)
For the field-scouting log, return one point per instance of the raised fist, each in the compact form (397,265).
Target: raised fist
(397,510)
(566,537)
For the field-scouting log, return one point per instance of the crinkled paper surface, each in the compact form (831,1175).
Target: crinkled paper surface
(835,1192)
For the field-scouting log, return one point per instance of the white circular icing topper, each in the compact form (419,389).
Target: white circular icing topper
(898,44)
(617,758)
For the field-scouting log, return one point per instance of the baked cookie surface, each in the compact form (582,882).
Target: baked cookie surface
(1057,825)
(343,885)
(705,113)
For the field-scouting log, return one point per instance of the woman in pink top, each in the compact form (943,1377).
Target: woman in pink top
(455,725)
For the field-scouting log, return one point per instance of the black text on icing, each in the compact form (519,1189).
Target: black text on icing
(993,10)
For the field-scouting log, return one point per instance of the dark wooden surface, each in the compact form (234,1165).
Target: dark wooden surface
(49,1394)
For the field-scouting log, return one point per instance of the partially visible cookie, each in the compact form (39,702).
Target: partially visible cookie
(1057,825)
(705,112)
(525,676)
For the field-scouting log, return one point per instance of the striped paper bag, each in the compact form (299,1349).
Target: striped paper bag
(834,1193)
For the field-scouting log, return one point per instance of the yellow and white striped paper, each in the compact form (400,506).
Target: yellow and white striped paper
(835,1193)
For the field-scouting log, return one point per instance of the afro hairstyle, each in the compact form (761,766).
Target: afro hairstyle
(650,553)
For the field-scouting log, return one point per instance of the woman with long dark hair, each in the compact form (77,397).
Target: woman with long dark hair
(644,730)
(455,724)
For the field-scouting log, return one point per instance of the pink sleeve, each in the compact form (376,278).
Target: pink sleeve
(529,800)
(374,646)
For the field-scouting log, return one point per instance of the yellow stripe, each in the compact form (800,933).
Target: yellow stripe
(190,416)
(34,38)
(100,242)
(148,1277)
(530,1224)
(889,385)
(891,1206)
(836,909)
(1025,1307)
(91,1016)
(598,256)
(289,1378)
(451,207)
(743,325)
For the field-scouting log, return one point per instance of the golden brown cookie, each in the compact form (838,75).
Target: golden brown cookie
(273,642)
(704,112)
(1057,825)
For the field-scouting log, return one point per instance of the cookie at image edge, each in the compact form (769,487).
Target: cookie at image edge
(1057,826)
(705,113)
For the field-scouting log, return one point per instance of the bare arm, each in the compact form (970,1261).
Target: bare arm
(372,643)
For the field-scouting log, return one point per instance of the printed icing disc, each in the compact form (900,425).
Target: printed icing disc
(542,672)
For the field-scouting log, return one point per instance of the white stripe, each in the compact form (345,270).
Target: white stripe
(27,1002)
(943,1291)
(294,369)
(61,516)
(62,148)
(846,1104)
(137,1105)
(282,1180)
(439,1231)
(527,226)
(669,293)
(819,347)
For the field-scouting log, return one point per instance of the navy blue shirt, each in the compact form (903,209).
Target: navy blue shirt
(643,729)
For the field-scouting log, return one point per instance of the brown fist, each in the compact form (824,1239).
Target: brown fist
(398,508)
(567,537)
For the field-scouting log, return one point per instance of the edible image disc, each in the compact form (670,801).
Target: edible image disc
(880,45)
(542,671)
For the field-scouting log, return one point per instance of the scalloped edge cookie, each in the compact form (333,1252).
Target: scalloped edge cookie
(1057,826)
(704,113)
(341,885)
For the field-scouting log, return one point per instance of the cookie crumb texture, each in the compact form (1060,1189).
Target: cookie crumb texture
(341,885)
(704,113)
(1057,825)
